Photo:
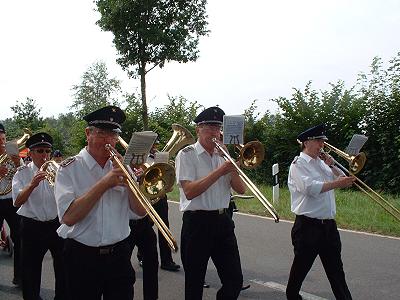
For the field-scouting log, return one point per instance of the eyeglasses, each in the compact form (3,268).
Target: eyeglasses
(106,133)
(42,150)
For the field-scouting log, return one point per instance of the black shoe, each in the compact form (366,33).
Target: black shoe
(245,287)
(173,267)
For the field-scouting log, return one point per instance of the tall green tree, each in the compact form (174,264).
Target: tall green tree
(27,115)
(148,33)
(97,89)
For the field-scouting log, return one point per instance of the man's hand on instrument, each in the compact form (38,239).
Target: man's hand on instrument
(327,159)
(39,176)
(345,181)
(227,167)
(116,177)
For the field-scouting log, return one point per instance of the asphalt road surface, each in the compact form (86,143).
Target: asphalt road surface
(371,263)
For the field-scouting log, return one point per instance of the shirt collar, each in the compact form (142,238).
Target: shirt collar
(199,148)
(306,157)
(89,160)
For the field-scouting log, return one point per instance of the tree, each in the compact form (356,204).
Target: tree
(148,33)
(27,115)
(96,90)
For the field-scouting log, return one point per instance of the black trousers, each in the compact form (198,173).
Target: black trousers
(208,234)
(9,213)
(312,237)
(93,272)
(161,208)
(36,239)
(143,236)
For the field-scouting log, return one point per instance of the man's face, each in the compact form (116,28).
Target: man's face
(98,138)
(40,155)
(207,132)
(2,142)
(313,147)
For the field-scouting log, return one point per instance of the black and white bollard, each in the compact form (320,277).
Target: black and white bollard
(275,188)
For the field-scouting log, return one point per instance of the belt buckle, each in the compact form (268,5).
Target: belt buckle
(105,251)
(221,211)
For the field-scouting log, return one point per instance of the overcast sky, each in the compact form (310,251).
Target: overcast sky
(257,49)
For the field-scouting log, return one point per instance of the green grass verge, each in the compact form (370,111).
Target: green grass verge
(355,210)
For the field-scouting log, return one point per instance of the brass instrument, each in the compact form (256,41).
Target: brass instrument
(50,167)
(156,180)
(362,186)
(145,202)
(159,178)
(180,138)
(6,180)
(251,154)
(356,163)
(257,193)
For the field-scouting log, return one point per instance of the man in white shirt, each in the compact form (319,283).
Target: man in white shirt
(34,196)
(94,204)
(205,180)
(312,180)
(7,210)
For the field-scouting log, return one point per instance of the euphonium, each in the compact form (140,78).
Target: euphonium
(6,181)
(51,168)
(133,186)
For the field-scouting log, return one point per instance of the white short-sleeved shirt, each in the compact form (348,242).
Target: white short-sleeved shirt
(3,183)
(306,178)
(193,163)
(41,204)
(108,221)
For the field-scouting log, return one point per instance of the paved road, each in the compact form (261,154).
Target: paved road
(372,265)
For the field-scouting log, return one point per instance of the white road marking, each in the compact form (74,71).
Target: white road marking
(282,288)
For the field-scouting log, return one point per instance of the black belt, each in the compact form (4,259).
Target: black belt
(33,221)
(215,212)
(315,221)
(102,250)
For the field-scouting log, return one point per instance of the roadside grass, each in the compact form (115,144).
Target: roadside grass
(355,210)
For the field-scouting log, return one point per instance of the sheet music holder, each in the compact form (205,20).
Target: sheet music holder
(139,147)
(356,143)
(233,127)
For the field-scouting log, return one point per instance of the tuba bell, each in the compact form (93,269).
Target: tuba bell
(51,168)
(6,181)
(180,138)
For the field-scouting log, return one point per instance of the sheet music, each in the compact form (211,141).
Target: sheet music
(233,129)
(139,147)
(356,143)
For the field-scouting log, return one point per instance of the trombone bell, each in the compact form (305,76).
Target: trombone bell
(251,155)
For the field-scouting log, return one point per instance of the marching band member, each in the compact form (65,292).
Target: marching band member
(311,182)
(94,206)
(205,180)
(37,207)
(7,209)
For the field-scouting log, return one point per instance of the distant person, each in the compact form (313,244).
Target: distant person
(57,156)
(312,180)
(7,210)
(34,196)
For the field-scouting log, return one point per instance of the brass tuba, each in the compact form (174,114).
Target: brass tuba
(133,186)
(6,181)
(180,138)
(51,168)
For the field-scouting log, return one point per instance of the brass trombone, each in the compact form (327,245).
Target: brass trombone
(251,154)
(6,160)
(145,202)
(156,180)
(362,186)
(356,163)
(257,193)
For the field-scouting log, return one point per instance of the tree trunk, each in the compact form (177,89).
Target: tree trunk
(142,72)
